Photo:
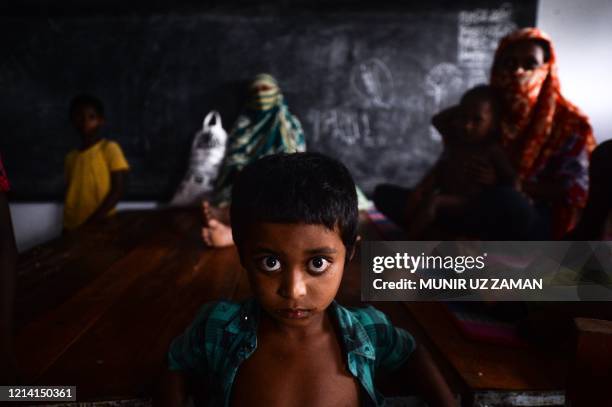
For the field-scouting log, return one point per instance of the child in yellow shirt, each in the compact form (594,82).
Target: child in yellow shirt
(96,172)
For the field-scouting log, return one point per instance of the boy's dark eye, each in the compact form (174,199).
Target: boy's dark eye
(269,264)
(318,265)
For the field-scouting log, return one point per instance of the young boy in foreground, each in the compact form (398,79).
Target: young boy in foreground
(294,219)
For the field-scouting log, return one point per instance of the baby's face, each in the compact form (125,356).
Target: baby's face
(477,121)
(294,269)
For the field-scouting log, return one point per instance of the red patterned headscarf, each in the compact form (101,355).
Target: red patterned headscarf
(539,122)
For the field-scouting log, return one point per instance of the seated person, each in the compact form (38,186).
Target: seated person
(551,323)
(451,193)
(294,219)
(548,139)
(96,172)
(266,126)
(594,221)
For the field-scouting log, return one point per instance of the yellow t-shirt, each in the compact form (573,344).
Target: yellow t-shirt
(88,174)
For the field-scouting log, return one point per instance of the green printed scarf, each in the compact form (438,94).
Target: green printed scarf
(265,127)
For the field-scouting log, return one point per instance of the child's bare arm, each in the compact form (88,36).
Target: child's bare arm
(118,179)
(423,372)
(172,390)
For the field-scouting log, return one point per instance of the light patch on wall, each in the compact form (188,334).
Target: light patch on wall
(581,33)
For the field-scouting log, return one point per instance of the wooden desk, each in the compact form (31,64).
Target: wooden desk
(98,309)
(486,374)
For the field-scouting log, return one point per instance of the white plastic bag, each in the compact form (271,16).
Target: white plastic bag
(207,153)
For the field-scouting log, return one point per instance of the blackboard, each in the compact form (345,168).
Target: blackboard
(364,83)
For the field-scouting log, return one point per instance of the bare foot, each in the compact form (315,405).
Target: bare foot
(214,232)
(214,212)
(206,213)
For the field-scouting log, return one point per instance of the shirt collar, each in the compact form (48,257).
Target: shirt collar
(354,335)
(246,319)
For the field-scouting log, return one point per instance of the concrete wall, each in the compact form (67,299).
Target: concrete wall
(582,36)
(36,223)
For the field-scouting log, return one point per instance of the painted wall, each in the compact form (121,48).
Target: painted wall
(36,223)
(581,30)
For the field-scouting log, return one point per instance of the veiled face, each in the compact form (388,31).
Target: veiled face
(522,56)
(264,93)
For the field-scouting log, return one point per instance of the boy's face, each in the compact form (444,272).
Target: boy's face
(86,120)
(477,120)
(295,269)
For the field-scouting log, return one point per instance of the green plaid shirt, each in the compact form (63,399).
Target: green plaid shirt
(224,334)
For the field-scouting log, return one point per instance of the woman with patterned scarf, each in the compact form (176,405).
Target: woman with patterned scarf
(265,127)
(548,138)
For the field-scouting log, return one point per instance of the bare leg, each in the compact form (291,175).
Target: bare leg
(215,233)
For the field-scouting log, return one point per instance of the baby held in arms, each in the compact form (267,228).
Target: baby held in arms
(472,162)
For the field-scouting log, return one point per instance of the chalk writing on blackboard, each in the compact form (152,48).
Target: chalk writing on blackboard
(442,80)
(373,81)
(364,83)
(479,33)
(344,125)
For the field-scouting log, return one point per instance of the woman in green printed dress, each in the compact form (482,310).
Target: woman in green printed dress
(265,127)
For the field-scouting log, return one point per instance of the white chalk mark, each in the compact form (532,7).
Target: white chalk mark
(479,33)
(373,81)
(346,126)
(442,80)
